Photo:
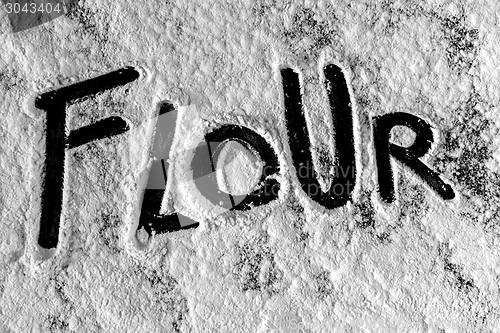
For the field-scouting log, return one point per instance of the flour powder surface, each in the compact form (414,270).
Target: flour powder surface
(422,262)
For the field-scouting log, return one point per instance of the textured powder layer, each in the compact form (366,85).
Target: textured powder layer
(420,264)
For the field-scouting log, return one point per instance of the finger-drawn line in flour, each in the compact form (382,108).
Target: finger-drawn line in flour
(300,145)
(206,153)
(409,156)
(150,219)
(204,166)
(205,172)
(100,130)
(58,141)
(205,176)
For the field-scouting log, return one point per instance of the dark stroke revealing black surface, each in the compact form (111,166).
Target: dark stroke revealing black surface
(300,144)
(58,141)
(54,103)
(384,149)
(205,177)
(150,219)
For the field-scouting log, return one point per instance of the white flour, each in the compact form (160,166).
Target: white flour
(421,264)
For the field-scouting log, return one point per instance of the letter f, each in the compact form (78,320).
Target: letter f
(59,140)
